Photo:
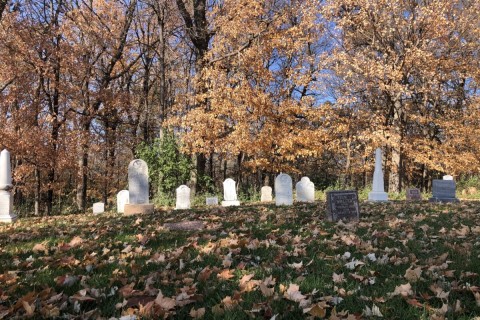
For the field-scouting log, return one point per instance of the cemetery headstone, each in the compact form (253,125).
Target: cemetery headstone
(185,225)
(123,198)
(183,197)
(98,207)
(413,194)
(447,177)
(211,201)
(266,194)
(229,193)
(305,190)
(443,191)
(343,205)
(138,188)
(378,190)
(283,190)
(6,199)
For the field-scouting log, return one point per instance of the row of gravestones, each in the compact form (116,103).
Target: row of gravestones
(339,203)
(305,192)
(136,199)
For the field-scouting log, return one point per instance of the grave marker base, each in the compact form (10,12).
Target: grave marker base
(131,209)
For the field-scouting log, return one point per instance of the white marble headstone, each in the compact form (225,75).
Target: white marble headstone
(447,177)
(6,199)
(138,182)
(229,193)
(305,190)
(266,194)
(98,207)
(123,197)
(283,190)
(211,201)
(183,197)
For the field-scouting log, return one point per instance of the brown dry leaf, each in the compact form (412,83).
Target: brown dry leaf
(477,298)
(29,308)
(357,277)
(164,302)
(318,311)
(338,278)
(293,293)
(267,286)
(413,275)
(404,290)
(40,247)
(197,313)
(226,274)
(76,241)
(229,303)
(204,274)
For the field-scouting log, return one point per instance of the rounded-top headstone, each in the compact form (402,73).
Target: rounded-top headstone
(138,182)
(183,197)
(229,190)
(305,190)
(123,198)
(266,195)
(283,190)
(5,171)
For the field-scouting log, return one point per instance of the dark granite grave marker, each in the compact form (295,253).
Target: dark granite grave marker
(443,191)
(413,194)
(343,205)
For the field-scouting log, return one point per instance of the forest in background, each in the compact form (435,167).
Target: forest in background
(209,89)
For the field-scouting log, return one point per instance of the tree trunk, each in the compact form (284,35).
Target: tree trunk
(83,170)
(37,191)
(394,177)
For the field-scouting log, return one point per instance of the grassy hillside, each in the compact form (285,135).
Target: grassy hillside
(401,261)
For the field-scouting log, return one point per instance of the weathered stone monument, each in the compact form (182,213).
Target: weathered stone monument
(123,197)
(98,208)
(266,194)
(183,197)
(211,201)
(343,205)
(283,190)
(443,191)
(413,194)
(6,199)
(229,193)
(378,190)
(138,188)
(305,190)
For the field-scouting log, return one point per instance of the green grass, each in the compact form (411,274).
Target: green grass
(203,269)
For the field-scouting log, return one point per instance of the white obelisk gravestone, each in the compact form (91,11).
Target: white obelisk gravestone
(378,190)
(6,199)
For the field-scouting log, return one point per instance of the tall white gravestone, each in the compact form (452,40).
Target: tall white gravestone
(229,193)
(378,190)
(6,199)
(183,197)
(266,194)
(305,190)
(283,190)
(138,188)
(123,197)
